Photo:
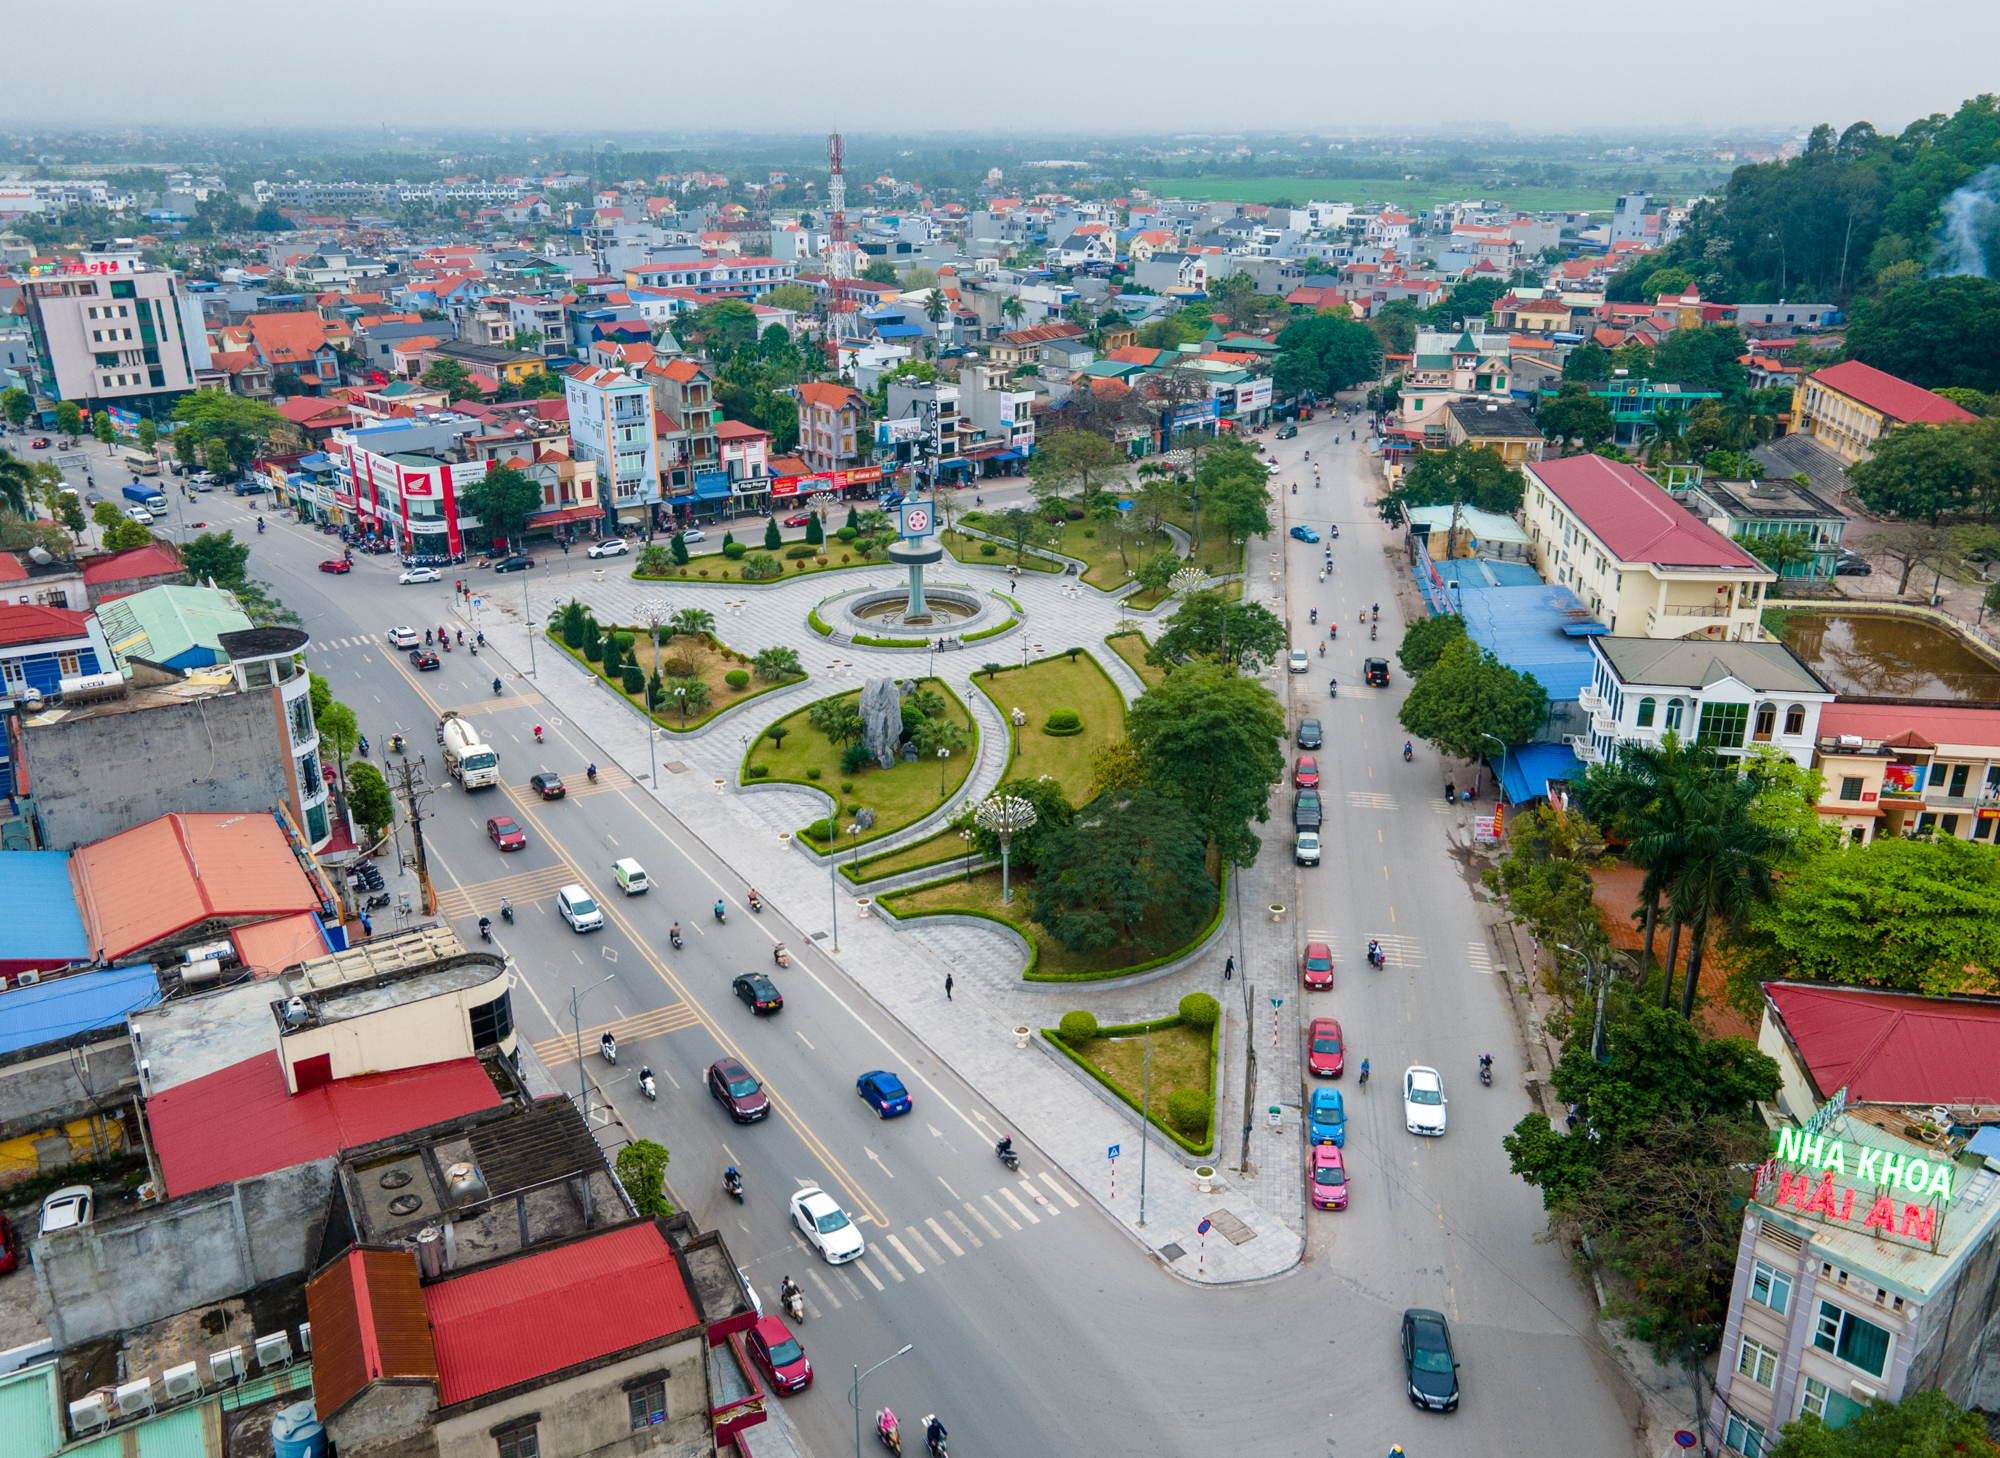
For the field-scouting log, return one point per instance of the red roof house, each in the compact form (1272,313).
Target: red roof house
(1628,512)
(1899,400)
(1890,1047)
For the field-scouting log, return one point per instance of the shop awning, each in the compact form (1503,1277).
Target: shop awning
(712,490)
(566,514)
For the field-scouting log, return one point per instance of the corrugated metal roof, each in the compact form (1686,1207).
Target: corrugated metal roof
(368,1322)
(181,1433)
(42,927)
(1893,1047)
(1627,511)
(167,624)
(28,1412)
(530,1317)
(62,1007)
(1523,628)
(269,947)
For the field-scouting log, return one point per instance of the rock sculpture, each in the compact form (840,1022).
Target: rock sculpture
(881,709)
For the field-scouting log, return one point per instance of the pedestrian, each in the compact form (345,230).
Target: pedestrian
(1229,969)
(947,987)
(367,926)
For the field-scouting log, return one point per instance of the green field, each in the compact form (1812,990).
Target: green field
(1409,196)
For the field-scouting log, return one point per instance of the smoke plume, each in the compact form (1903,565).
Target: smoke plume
(1969,228)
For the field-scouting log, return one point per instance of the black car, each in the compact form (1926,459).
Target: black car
(1428,1360)
(759,993)
(1287,431)
(1375,672)
(514,564)
(423,658)
(1305,810)
(548,786)
(1309,734)
(1850,565)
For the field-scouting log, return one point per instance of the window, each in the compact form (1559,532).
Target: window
(519,1443)
(1767,721)
(1814,1401)
(1771,1287)
(1757,1362)
(1674,707)
(1858,1343)
(1850,787)
(1795,719)
(302,719)
(648,1405)
(1742,1435)
(1722,725)
(1958,774)
(69,665)
(492,1022)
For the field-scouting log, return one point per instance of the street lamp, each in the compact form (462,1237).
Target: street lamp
(854,1398)
(1006,816)
(1592,974)
(576,1022)
(1188,580)
(1497,773)
(942,755)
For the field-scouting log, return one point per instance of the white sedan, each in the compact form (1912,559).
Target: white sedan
(609,547)
(1423,1100)
(67,1209)
(421,574)
(404,637)
(139,514)
(693,534)
(826,1226)
(1300,663)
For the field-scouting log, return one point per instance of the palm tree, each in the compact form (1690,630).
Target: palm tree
(692,622)
(1012,310)
(1727,871)
(17,479)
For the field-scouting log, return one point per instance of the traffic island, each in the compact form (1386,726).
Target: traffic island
(1165,1069)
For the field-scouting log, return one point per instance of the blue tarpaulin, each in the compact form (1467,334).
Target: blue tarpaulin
(1528,768)
(1527,628)
(61,1007)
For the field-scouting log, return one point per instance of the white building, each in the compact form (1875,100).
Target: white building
(611,422)
(988,403)
(110,331)
(1732,697)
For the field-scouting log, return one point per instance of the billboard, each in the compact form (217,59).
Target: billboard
(125,422)
(1254,395)
(888,432)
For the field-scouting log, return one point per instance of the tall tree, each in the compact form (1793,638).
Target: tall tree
(1727,871)
(1469,694)
(1919,472)
(1474,475)
(452,378)
(1929,331)
(1130,872)
(1232,634)
(1212,739)
(502,501)
(217,558)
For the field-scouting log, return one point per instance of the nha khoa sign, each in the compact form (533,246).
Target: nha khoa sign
(1814,1192)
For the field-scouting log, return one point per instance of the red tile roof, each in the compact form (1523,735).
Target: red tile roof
(1893,1047)
(1941,724)
(738,430)
(240,1121)
(28,623)
(1898,399)
(1636,519)
(152,560)
(527,1318)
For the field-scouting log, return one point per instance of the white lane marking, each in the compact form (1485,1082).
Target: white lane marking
(852,1289)
(964,1229)
(824,1289)
(908,1259)
(1068,1199)
(947,1187)
(886,1044)
(1015,1200)
(923,1245)
(973,1210)
(1478,958)
(949,1244)
(863,1266)
(1035,1194)
(890,1266)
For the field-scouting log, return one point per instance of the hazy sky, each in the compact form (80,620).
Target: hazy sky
(872,65)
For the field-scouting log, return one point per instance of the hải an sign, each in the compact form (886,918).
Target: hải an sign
(1885,1171)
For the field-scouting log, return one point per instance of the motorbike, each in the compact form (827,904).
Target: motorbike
(756,902)
(396,744)
(1005,1149)
(779,955)
(1364,1073)
(1406,754)
(721,914)
(1371,632)
(1313,616)
(485,929)
(1333,632)
(507,911)
(888,1433)
(936,1445)
(1333,688)
(260,526)
(1376,957)
(646,1084)
(362,745)
(496,687)
(733,1182)
(538,734)
(444,644)
(608,1047)
(674,936)
(376,902)
(795,1304)
(1486,1069)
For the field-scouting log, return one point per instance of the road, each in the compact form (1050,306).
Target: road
(1037,1326)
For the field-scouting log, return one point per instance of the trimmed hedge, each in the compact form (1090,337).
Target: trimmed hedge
(1062,723)
(736,678)
(1079,1026)
(986,632)
(813,621)
(1055,1040)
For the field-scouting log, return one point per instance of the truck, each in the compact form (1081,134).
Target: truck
(470,760)
(150,497)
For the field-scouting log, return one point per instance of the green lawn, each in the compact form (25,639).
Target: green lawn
(1087,541)
(1057,683)
(1218,554)
(973,549)
(899,795)
(1147,597)
(1132,648)
(1180,1060)
(925,852)
(714,567)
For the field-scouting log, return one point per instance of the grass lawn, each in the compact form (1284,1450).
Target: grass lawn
(703,658)
(1132,648)
(1088,541)
(714,567)
(925,852)
(1218,555)
(1057,683)
(900,795)
(973,549)
(1180,1060)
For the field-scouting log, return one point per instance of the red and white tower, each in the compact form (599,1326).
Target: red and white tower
(839,251)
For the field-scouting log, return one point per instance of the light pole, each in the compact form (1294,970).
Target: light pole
(942,755)
(1146,1118)
(1600,978)
(576,1021)
(1503,762)
(854,1398)
(1006,816)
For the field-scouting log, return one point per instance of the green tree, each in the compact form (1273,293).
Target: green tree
(773,664)
(68,510)
(1078,461)
(1346,353)
(17,483)
(106,515)
(501,501)
(185,442)
(1927,331)
(1053,814)
(69,418)
(1545,878)
(1474,475)
(689,694)
(1169,333)
(642,1170)
(678,547)
(1919,472)
(794,296)
(1130,873)
(1781,550)
(772,538)
(1019,527)
(149,435)
(839,719)
(17,404)
(815,532)
(1425,640)
(691,623)
(881,271)
(1702,359)
(338,734)
(217,557)
(1574,414)
(369,799)
(1237,635)
(1589,361)
(452,378)
(241,424)
(1726,870)
(126,535)
(1212,739)
(1924,1424)
(1468,694)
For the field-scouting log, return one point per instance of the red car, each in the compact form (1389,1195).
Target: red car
(336,564)
(799,520)
(1326,1051)
(1305,774)
(778,1352)
(503,832)
(738,1091)
(1329,1184)
(1316,967)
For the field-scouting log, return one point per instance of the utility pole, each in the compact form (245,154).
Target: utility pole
(414,792)
(1145,1118)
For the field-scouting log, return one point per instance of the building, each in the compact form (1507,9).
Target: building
(1910,769)
(1172,272)
(911,403)
(833,427)
(1871,1245)
(1732,697)
(1773,506)
(1444,368)
(109,331)
(1847,407)
(1638,405)
(1791,318)
(999,415)
(1506,429)
(490,362)
(611,421)
(390,479)
(686,416)
(1640,561)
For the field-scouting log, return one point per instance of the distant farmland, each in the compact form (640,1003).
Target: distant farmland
(1409,196)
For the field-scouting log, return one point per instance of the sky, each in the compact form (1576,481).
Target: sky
(889,65)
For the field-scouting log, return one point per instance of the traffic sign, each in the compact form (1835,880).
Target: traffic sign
(1203,1228)
(1276,1003)
(1685,1438)
(1113,1154)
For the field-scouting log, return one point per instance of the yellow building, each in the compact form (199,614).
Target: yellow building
(1847,407)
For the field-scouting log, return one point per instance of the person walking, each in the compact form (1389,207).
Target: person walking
(947,987)
(1228,969)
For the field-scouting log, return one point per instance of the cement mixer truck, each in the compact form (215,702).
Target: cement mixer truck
(470,760)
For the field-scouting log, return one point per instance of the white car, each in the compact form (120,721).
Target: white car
(67,1209)
(609,547)
(1423,1100)
(139,514)
(421,574)
(578,909)
(202,479)
(404,637)
(1305,850)
(693,534)
(1299,661)
(1273,467)
(826,1226)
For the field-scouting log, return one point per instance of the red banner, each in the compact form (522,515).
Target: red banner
(824,481)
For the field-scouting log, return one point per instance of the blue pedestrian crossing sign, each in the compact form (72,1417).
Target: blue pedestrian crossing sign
(1114,1152)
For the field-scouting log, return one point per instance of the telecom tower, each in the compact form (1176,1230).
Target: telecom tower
(840,255)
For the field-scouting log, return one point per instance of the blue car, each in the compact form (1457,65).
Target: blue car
(1304,534)
(1327,1118)
(884,1093)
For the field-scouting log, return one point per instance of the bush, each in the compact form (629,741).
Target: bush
(803,550)
(1187,1111)
(855,758)
(1199,1010)
(847,787)
(989,549)
(758,771)
(776,734)
(734,551)
(593,645)
(1075,513)
(1077,1028)
(736,678)
(1089,533)
(848,533)
(633,678)
(1063,722)
(813,773)
(624,642)
(762,569)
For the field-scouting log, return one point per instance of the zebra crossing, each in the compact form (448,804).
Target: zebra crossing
(1398,949)
(484,898)
(1369,800)
(562,1048)
(362,640)
(895,1257)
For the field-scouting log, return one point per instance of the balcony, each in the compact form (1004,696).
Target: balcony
(1696,610)
(1592,702)
(1585,748)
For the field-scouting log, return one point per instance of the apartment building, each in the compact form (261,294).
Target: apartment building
(996,412)
(1734,698)
(107,330)
(1904,769)
(1849,406)
(833,421)
(1445,368)
(686,416)
(612,422)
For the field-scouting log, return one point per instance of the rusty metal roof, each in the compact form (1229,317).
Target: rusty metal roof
(368,1322)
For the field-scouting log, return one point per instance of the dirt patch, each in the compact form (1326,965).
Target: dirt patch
(1617,892)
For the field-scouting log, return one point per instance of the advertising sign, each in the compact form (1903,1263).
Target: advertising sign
(1907,1189)
(888,432)
(1902,779)
(125,422)
(822,481)
(1255,395)
(1202,414)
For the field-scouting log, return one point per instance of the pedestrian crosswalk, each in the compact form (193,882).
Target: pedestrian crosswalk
(483,899)
(1479,958)
(562,1048)
(1367,800)
(363,640)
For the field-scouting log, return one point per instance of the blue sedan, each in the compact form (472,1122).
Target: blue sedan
(1304,534)
(884,1093)
(1327,1118)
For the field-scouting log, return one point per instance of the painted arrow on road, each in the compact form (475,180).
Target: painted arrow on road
(878,1160)
(940,1134)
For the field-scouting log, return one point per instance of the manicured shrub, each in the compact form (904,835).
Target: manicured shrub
(758,771)
(1089,533)
(799,550)
(848,533)
(736,678)
(633,678)
(1077,1028)
(847,787)
(1199,1010)
(734,551)
(762,569)
(813,773)
(855,758)
(624,642)
(776,734)
(1075,513)
(593,644)
(1063,722)
(1187,1111)
(989,549)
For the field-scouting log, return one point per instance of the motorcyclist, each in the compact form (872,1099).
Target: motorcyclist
(719,908)
(1364,1071)
(1485,1062)
(427,637)
(787,1289)
(646,1080)
(607,1044)
(674,934)
(731,1179)
(538,734)
(1374,949)
(756,901)
(934,1433)
(591,773)
(1313,616)
(496,685)
(1406,751)
(506,908)
(260,526)
(486,928)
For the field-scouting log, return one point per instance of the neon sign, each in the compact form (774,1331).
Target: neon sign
(1885,1170)
(74,266)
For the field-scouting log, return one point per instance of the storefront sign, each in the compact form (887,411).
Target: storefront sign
(823,481)
(888,432)
(1254,396)
(71,267)
(1902,779)
(1202,414)
(1819,1158)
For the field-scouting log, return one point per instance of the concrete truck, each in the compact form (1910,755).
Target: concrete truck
(471,761)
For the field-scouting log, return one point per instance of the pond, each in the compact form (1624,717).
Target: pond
(1877,655)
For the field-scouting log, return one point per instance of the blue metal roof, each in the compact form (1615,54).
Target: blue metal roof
(61,1007)
(42,927)
(896,331)
(1525,628)
(1528,768)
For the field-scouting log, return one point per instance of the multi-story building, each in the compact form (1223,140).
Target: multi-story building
(109,331)
(1638,406)
(935,410)
(394,478)
(1444,368)
(1001,416)
(1506,429)
(1894,769)
(1733,697)
(492,362)
(1641,562)
(833,427)
(1849,406)
(1773,506)
(612,422)
(686,416)
(540,315)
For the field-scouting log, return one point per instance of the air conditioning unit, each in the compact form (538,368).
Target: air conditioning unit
(306,1337)
(274,1350)
(226,1366)
(135,1397)
(92,1411)
(181,1381)
(27,979)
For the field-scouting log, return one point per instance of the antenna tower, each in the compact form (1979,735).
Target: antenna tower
(840,256)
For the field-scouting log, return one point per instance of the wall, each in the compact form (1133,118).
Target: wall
(40,1092)
(406,1035)
(588,1413)
(98,774)
(126,1271)
(102,592)
(387,1419)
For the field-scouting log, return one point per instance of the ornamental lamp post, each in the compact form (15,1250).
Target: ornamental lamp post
(943,769)
(1006,816)
(1188,580)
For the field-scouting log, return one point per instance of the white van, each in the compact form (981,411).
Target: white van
(631,876)
(578,909)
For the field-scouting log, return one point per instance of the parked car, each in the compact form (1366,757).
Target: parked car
(420,574)
(738,1091)
(548,785)
(1428,1362)
(1299,662)
(1423,1100)
(826,1226)
(609,547)
(1309,734)
(778,1352)
(423,659)
(1305,773)
(1326,1050)
(520,563)
(67,1209)
(1375,672)
(1852,564)
(1306,810)
(201,479)
(39,443)
(1326,1117)
(404,637)
(1316,967)
(1329,1183)
(336,564)
(883,1092)
(575,906)
(693,534)
(503,832)
(1305,847)
(1304,534)
(759,993)
(797,521)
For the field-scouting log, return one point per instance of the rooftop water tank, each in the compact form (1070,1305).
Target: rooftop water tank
(297,1433)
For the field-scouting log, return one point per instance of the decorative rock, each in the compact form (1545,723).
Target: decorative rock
(909,753)
(881,709)
(864,819)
